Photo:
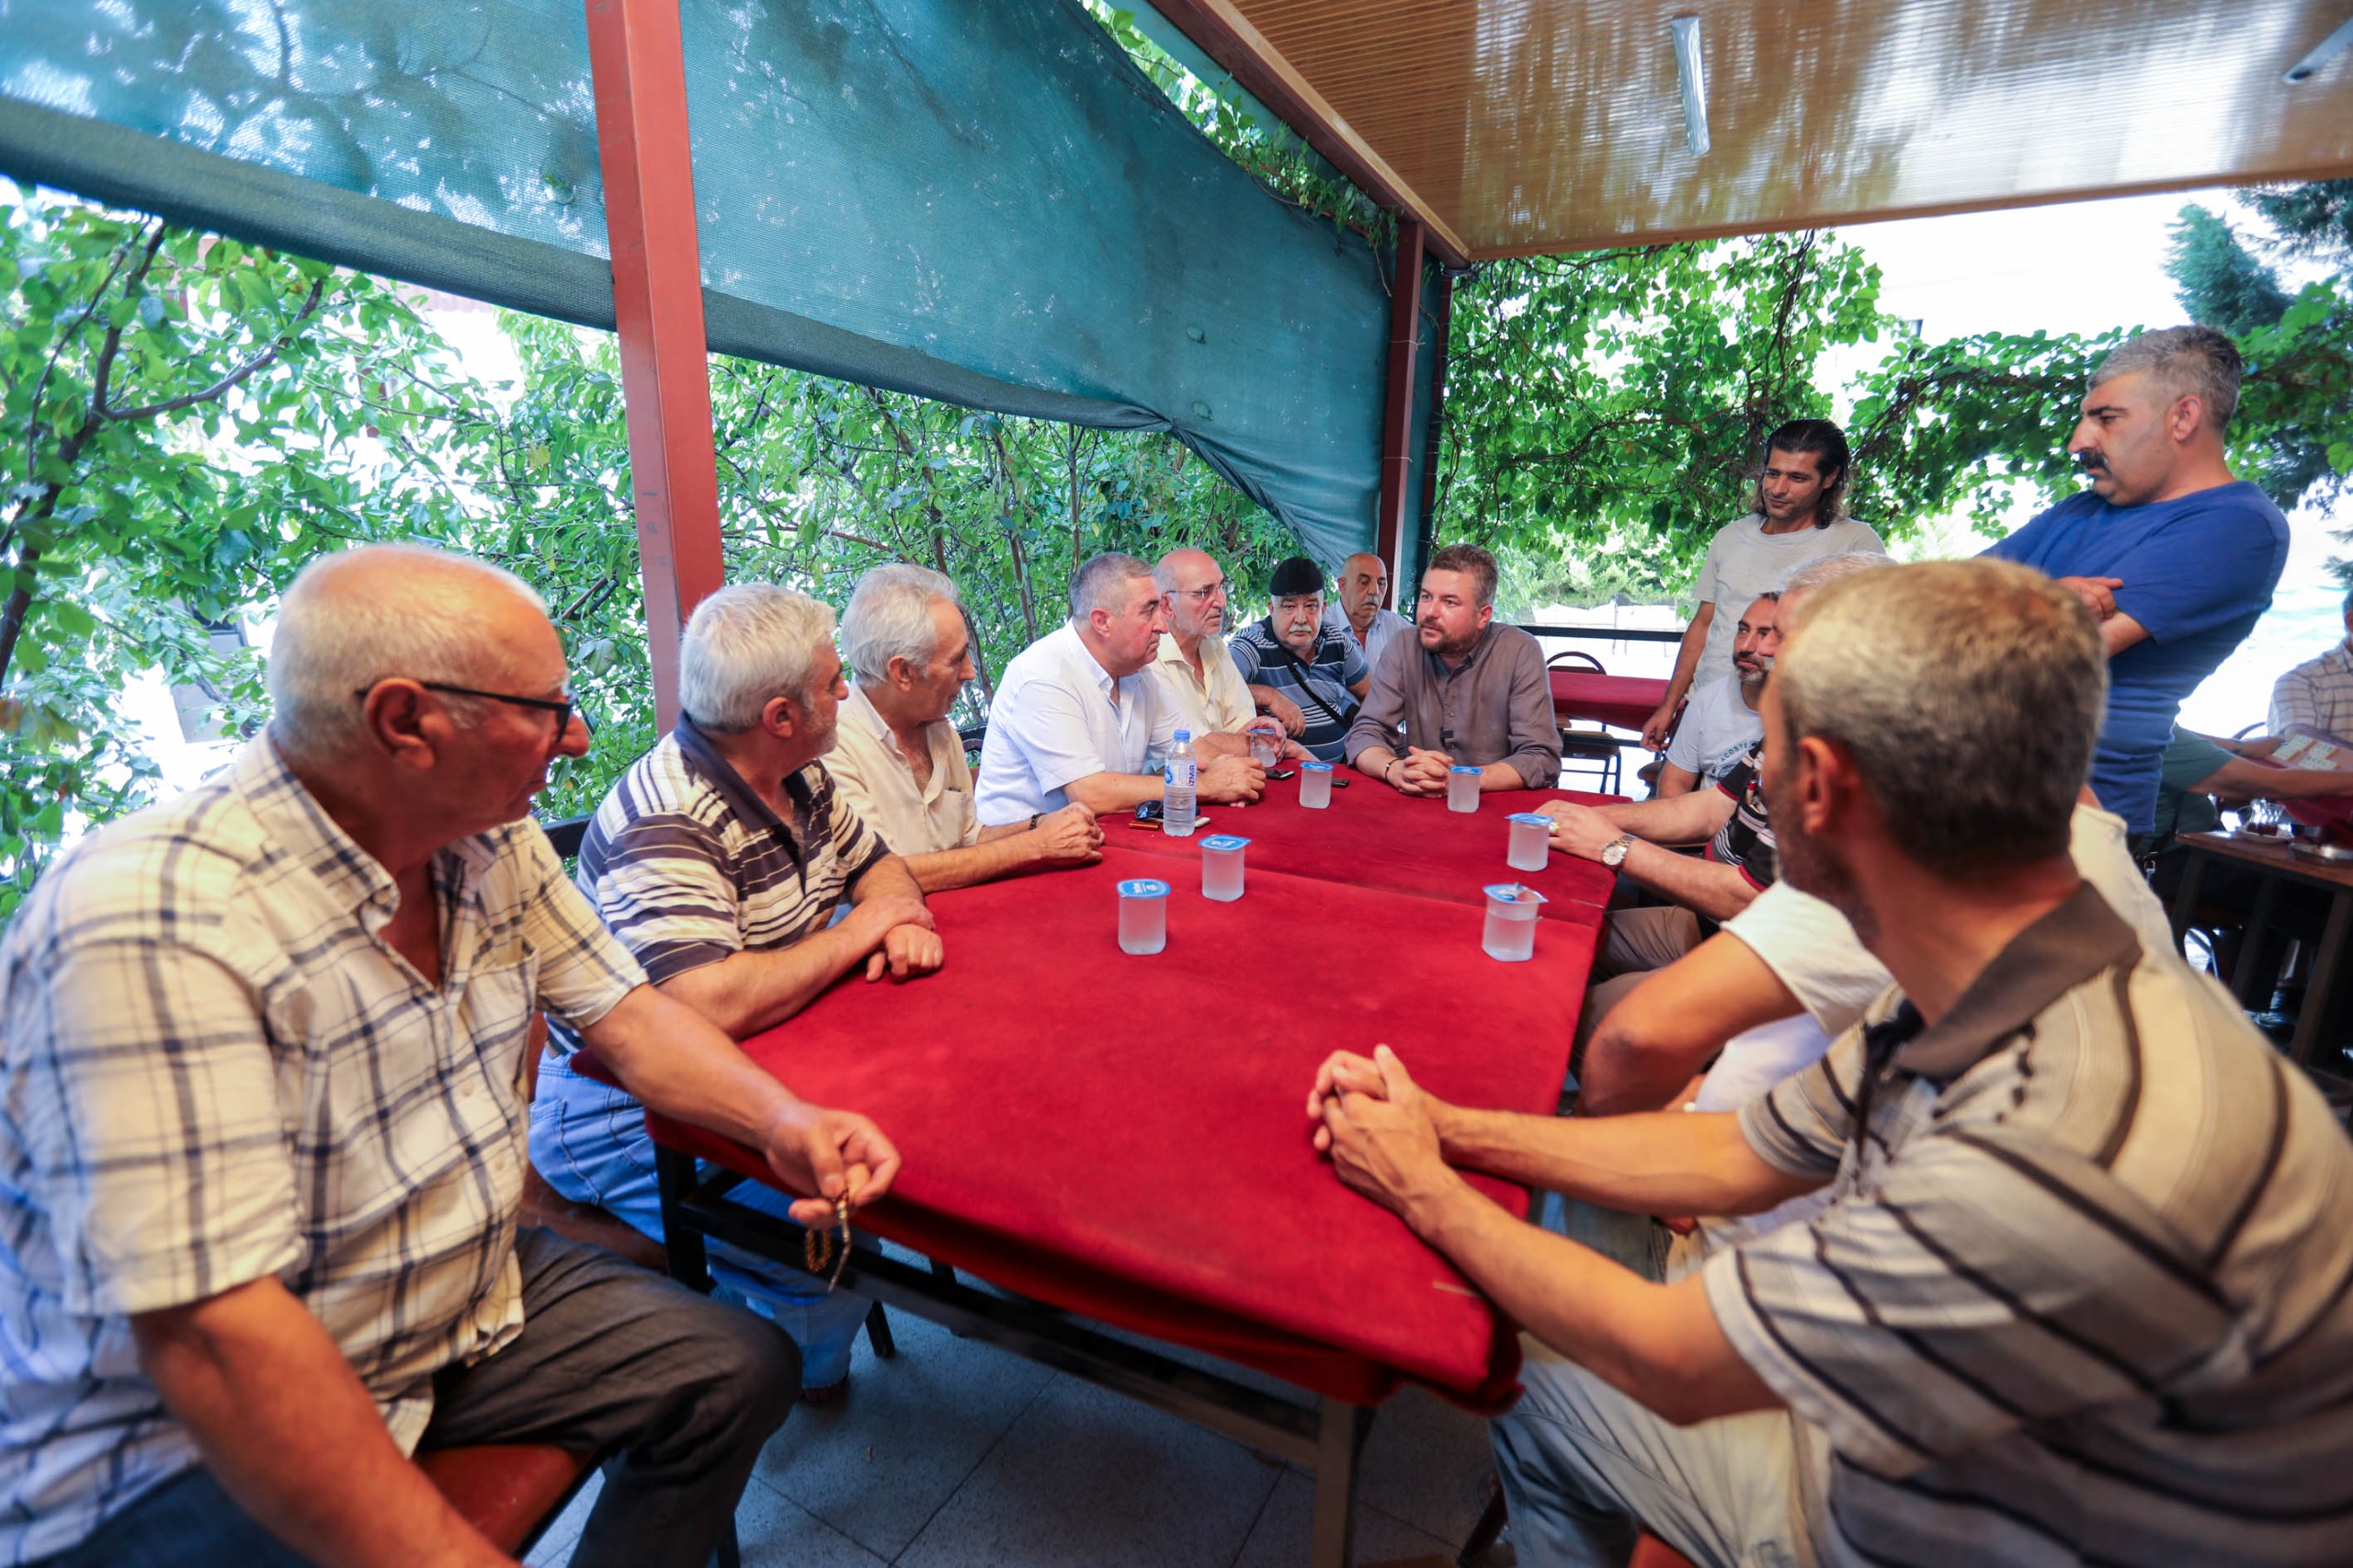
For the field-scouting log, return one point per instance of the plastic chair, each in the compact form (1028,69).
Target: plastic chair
(1595,749)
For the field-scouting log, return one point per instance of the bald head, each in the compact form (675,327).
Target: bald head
(1193,588)
(361,616)
(1363,588)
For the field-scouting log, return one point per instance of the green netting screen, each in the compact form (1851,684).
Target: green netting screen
(976,200)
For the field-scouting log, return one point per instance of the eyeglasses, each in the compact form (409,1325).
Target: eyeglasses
(563,707)
(1200,595)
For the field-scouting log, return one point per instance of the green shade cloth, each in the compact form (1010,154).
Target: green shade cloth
(981,202)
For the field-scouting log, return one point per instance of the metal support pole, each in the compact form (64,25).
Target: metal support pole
(1340,1440)
(1397,419)
(641,88)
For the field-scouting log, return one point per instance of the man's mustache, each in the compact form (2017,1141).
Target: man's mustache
(2092,462)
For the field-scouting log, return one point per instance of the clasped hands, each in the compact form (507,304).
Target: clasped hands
(1382,1132)
(1420,772)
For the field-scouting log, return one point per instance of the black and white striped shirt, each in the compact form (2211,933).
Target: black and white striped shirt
(2087,1294)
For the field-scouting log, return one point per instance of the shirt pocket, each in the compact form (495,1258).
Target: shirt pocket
(493,1025)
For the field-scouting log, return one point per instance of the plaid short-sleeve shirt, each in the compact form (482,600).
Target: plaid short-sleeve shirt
(215,1071)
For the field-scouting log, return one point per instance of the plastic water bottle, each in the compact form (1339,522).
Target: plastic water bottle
(1178,786)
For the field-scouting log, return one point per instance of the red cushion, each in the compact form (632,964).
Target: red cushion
(1127,1137)
(504,1489)
(1652,1552)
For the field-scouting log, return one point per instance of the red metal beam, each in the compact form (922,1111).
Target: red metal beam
(1397,419)
(640,86)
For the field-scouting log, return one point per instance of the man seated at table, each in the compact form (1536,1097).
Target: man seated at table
(262,1166)
(1198,677)
(2318,693)
(897,760)
(1356,609)
(1720,724)
(1295,653)
(1462,692)
(720,859)
(2174,557)
(1078,716)
(1733,820)
(2024,1327)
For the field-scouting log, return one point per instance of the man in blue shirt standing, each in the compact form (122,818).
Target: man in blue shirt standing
(2176,558)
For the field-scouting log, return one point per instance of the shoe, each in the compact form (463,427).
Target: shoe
(827,1393)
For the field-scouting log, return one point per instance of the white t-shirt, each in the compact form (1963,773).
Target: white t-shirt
(1814,951)
(1058,717)
(1744,561)
(1717,730)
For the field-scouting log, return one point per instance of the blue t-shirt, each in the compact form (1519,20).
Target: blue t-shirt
(2197,572)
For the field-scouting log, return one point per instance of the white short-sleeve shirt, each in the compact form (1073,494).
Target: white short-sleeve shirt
(1717,730)
(1744,561)
(877,784)
(1059,717)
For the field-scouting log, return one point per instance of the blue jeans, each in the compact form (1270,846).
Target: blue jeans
(589,1142)
(1582,1463)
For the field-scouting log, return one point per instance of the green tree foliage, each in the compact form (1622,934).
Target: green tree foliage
(2294,431)
(186,421)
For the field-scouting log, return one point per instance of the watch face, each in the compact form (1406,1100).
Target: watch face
(1614,853)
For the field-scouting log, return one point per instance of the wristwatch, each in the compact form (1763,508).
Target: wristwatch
(1613,854)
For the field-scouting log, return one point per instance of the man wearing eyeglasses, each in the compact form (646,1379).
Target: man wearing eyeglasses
(261,1168)
(1193,666)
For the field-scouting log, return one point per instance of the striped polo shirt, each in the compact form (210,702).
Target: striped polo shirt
(687,866)
(2083,1293)
(1320,686)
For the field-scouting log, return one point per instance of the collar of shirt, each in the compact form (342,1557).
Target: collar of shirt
(2080,938)
(1082,663)
(703,759)
(1172,653)
(352,878)
(859,709)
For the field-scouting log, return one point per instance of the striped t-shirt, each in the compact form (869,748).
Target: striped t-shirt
(1746,841)
(2083,1295)
(687,866)
(1320,686)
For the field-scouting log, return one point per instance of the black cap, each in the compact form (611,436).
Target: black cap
(1297,575)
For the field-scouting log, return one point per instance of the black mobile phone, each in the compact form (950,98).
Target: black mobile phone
(1338,782)
(1282,773)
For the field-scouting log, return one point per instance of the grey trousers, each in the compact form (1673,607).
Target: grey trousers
(683,1391)
(1634,942)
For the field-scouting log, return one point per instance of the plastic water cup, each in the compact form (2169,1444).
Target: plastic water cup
(1221,866)
(1264,748)
(1462,788)
(1143,916)
(1315,785)
(1532,839)
(1511,923)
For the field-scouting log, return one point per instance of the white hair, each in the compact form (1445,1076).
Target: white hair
(334,642)
(888,617)
(2185,361)
(1102,583)
(1801,580)
(746,645)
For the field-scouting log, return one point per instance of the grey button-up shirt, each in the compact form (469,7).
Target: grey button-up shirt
(1497,707)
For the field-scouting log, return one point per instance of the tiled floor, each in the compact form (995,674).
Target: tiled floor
(956,1455)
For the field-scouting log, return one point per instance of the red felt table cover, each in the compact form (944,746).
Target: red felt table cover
(1371,836)
(1126,1137)
(1626,701)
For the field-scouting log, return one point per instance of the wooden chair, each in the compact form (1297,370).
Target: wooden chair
(1595,749)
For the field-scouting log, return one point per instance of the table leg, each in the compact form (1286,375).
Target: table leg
(2185,902)
(681,1237)
(1340,1440)
(2323,980)
(2258,926)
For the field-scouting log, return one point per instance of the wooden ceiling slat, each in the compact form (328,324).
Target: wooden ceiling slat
(1532,125)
